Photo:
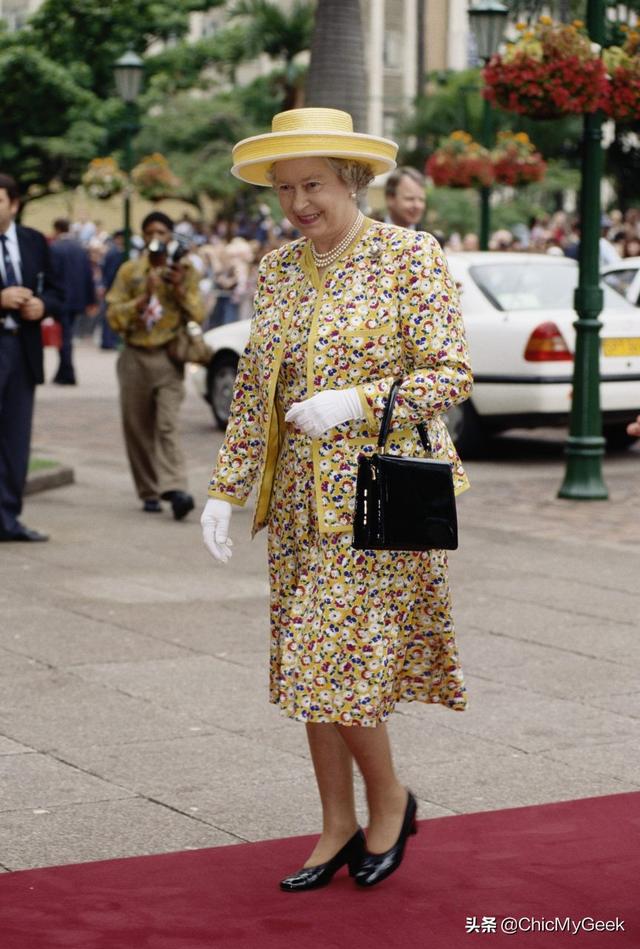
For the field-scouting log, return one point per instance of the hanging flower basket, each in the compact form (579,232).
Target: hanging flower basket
(623,66)
(516,161)
(460,162)
(552,70)
(103,178)
(154,180)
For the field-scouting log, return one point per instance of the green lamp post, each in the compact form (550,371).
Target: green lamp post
(585,445)
(487,21)
(127,73)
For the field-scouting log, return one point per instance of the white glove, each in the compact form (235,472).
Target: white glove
(215,529)
(324,410)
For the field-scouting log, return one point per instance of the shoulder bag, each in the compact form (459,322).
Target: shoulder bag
(404,503)
(188,345)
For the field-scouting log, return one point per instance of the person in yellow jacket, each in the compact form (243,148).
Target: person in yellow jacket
(149,299)
(339,315)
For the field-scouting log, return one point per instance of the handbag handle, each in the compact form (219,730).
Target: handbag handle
(386,420)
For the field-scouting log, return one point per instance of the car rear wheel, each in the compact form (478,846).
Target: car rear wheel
(466,430)
(617,437)
(220,383)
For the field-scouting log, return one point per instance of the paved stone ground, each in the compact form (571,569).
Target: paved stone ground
(133,706)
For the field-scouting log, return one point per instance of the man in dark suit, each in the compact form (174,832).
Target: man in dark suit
(27,291)
(113,260)
(75,277)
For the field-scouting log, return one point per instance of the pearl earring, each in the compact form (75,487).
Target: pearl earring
(353,194)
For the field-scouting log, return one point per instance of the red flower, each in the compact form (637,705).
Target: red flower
(545,89)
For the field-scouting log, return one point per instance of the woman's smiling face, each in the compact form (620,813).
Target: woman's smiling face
(314,199)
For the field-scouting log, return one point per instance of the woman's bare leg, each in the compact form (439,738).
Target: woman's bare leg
(386,797)
(333,767)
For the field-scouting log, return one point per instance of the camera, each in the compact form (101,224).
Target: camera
(169,252)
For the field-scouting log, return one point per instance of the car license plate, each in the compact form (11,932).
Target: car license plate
(620,346)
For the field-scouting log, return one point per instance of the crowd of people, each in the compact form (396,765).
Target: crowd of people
(225,256)
(227,253)
(558,233)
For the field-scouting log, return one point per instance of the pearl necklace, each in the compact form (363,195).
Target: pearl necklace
(325,260)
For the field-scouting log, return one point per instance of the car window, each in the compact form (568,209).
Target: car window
(620,280)
(533,286)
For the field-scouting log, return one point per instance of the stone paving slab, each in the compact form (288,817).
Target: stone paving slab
(62,637)
(546,670)
(509,779)
(528,721)
(514,621)
(217,759)
(8,747)
(616,700)
(620,760)
(579,599)
(13,663)
(53,711)
(101,831)
(213,690)
(37,780)
(236,629)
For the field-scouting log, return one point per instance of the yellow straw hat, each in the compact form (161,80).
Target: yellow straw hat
(306,133)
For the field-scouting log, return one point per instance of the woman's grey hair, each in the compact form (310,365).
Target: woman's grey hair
(356,175)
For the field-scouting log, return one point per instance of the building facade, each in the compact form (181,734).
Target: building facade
(15,13)
(405,39)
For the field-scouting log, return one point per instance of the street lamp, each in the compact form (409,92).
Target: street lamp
(585,445)
(127,73)
(486,20)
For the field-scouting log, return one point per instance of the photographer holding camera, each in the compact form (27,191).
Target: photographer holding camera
(147,303)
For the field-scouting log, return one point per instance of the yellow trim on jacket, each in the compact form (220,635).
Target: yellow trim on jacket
(388,308)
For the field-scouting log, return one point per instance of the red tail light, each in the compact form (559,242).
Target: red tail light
(546,344)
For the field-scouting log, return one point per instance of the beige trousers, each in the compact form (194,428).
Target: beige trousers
(151,392)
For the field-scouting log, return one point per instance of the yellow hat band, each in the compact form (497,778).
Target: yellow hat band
(307,133)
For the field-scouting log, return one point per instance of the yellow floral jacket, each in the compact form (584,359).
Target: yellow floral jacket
(389,308)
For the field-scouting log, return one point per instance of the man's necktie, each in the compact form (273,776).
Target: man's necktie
(11,279)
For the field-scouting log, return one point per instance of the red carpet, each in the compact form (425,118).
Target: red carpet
(576,859)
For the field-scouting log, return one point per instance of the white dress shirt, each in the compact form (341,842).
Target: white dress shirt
(14,254)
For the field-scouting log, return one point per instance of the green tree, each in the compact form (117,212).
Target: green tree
(50,126)
(189,65)
(281,34)
(87,36)
(196,135)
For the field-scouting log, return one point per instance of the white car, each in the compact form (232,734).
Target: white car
(624,276)
(519,316)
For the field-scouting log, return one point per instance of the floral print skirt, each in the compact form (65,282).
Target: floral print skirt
(352,632)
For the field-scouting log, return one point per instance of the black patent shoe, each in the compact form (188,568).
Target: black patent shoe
(181,503)
(310,878)
(376,867)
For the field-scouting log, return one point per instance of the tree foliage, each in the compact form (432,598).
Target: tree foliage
(281,34)
(56,131)
(88,36)
(197,135)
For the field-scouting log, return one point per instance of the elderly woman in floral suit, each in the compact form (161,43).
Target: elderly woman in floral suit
(339,315)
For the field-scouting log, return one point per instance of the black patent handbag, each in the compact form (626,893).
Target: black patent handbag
(404,503)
